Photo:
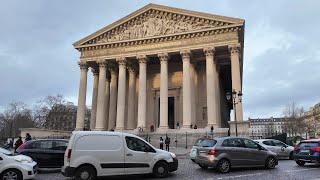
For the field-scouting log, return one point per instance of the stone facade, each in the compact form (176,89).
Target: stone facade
(312,120)
(160,66)
(266,127)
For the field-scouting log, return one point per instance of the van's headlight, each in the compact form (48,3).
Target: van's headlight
(173,155)
(22,159)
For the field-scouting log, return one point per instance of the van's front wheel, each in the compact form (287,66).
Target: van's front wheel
(160,170)
(85,173)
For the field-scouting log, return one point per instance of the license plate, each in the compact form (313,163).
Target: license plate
(305,151)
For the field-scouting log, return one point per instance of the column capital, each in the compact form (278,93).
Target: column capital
(234,49)
(163,57)
(83,65)
(132,69)
(209,51)
(121,61)
(102,63)
(142,58)
(95,70)
(185,54)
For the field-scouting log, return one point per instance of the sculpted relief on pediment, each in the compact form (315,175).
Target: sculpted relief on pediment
(157,24)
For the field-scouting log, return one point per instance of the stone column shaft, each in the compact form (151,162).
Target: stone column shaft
(121,94)
(163,91)
(131,98)
(113,98)
(82,96)
(101,119)
(213,103)
(187,114)
(142,99)
(236,78)
(107,102)
(95,72)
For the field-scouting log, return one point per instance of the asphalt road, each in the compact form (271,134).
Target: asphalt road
(287,169)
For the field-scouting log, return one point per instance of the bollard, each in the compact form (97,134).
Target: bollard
(186,141)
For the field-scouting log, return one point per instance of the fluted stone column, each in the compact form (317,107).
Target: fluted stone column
(113,97)
(212,88)
(163,91)
(101,119)
(131,97)
(236,77)
(82,96)
(95,73)
(142,99)
(121,94)
(107,98)
(187,114)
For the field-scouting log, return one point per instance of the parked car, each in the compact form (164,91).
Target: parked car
(199,142)
(281,149)
(92,154)
(48,153)
(16,167)
(231,152)
(307,151)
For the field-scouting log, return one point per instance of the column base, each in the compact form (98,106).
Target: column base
(119,129)
(162,129)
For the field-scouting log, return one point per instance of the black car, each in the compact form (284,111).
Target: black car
(307,151)
(48,153)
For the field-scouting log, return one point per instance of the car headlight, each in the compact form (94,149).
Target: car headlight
(22,159)
(173,155)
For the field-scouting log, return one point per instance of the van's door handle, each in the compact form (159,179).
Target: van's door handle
(129,154)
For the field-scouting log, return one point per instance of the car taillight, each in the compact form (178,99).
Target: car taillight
(316,149)
(69,154)
(296,148)
(212,152)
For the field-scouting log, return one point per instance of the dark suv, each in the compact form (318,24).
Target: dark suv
(226,152)
(307,151)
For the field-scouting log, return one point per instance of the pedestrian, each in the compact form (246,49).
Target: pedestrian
(11,143)
(211,129)
(161,143)
(178,125)
(17,144)
(190,126)
(195,127)
(167,142)
(28,137)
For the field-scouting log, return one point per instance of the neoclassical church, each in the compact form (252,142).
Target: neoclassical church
(162,66)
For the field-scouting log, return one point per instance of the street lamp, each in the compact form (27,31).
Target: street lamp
(234,94)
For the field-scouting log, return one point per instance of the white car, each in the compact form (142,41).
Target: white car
(281,149)
(92,154)
(16,167)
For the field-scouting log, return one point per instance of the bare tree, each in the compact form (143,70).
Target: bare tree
(294,123)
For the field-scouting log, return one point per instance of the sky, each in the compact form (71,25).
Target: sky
(281,52)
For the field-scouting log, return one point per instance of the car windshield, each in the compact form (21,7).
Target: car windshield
(6,152)
(308,144)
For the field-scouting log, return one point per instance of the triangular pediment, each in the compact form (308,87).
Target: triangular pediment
(156,20)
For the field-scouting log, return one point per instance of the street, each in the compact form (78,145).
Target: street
(287,169)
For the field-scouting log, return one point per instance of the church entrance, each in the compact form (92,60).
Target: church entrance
(171,112)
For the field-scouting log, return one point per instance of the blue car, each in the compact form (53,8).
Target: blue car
(307,151)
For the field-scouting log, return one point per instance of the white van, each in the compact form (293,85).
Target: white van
(91,154)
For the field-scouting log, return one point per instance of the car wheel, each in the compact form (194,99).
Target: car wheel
(224,166)
(11,174)
(160,170)
(271,163)
(203,166)
(85,173)
(291,155)
(300,163)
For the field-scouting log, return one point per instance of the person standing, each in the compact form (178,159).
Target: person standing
(17,144)
(28,137)
(178,125)
(167,142)
(161,143)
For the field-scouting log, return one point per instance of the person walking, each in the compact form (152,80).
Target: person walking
(28,137)
(17,143)
(167,142)
(161,143)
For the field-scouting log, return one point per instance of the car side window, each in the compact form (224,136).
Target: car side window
(279,144)
(136,144)
(59,145)
(45,145)
(235,142)
(268,143)
(250,144)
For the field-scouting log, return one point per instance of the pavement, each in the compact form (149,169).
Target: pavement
(286,170)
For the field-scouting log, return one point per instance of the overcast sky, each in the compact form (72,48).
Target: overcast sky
(281,54)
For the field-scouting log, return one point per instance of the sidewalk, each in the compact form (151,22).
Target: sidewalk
(180,151)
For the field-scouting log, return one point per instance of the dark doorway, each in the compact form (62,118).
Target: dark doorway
(170,112)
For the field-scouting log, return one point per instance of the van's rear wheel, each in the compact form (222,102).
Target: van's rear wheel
(85,173)
(11,174)
(160,170)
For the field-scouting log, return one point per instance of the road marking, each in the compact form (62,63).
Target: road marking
(238,176)
(298,170)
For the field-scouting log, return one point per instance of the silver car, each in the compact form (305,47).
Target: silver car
(231,152)
(281,149)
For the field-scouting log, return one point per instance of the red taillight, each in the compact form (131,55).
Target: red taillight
(69,154)
(212,152)
(316,149)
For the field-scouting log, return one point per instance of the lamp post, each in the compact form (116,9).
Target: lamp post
(234,94)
